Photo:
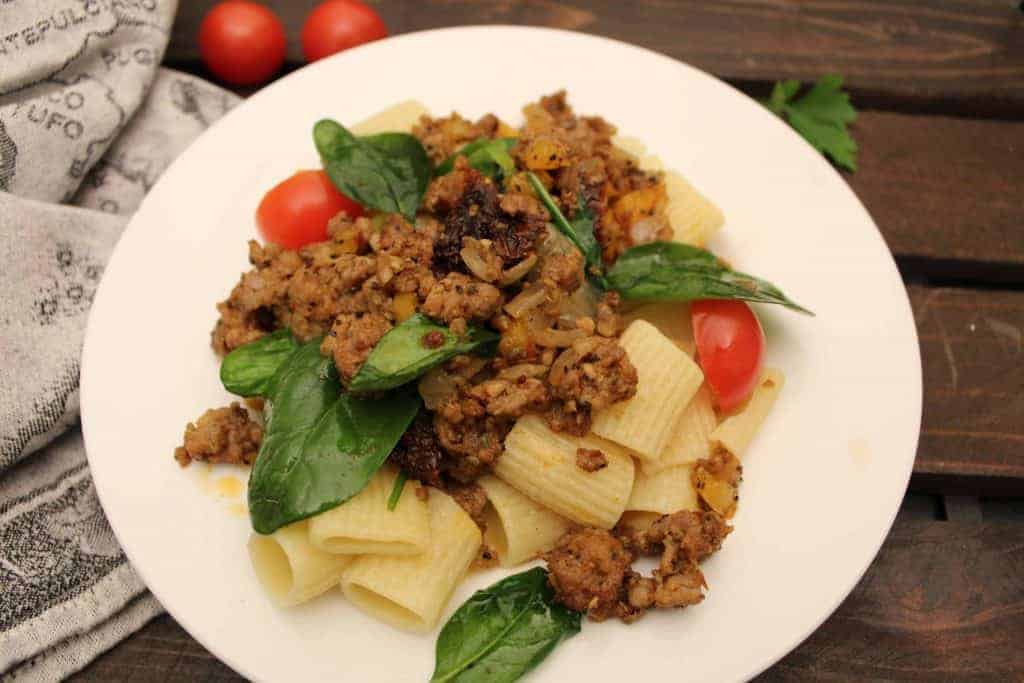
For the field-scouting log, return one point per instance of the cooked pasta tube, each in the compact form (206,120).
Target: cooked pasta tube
(364,525)
(542,465)
(693,217)
(397,119)
(737,431)
(410,592)
(672,320)
(290,568)
(691,437)
(667,381)
(668,491)
(518,529)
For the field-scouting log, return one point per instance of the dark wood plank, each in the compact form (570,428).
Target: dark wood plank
(943,601)
(945,192)
(972,349)
(965,56)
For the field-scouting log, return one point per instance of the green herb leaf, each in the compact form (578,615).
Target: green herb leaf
(580,230)
(396,490)
(320,447)
(502,632)
(490,157)
(672,271)
(411,348)
(820,116)
(249,369)
(388,172)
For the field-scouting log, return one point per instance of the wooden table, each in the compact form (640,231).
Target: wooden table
(940,86)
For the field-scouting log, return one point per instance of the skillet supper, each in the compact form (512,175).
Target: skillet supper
(508,344)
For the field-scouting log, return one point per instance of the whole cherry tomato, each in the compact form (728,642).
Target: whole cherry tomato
(730,349)
(337,25)
(295,212)
(242,43)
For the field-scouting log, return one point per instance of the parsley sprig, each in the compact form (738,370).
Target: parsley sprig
(820,115)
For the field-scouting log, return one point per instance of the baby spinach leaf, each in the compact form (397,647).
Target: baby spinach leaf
(490,157)
(396,490)
(320,447)
(248,370)
(502,632)
(411,348)
(388,172)
(580,230)
(672,271)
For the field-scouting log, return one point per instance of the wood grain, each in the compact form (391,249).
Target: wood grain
(972,350)
(964,56)
(943,601)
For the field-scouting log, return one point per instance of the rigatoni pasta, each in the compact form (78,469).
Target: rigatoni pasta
(290,568)
(691,437)
(363,525)
(737,431)
(410,592)
(672,320)
(694,219)
(664,492)
(541,464)
(518,528)
(397,119)
(668,379)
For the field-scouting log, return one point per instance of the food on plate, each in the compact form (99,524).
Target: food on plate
(336,25)
(241,42)
(515,347)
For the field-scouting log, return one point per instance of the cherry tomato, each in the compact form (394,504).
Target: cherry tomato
(242,43)
(730,349)
(337,25)
(295,212)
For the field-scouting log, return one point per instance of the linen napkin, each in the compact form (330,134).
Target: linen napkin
(88,122)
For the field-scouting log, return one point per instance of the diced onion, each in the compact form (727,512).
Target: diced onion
(558,338)
(518,271)
(436,387)
(531,297)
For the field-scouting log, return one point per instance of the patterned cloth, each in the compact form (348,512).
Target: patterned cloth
(88,122)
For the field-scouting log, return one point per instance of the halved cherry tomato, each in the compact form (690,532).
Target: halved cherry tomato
(730,349)
(295,212)
(242,43)
(337,25)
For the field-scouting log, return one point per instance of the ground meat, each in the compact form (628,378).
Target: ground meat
(223,435)
(511,397)
(564,271)
(686,535)
(418,453)
(461,296)
(472,499)
(590,459)
(351,339)
(568,417)
(393,236)
(468,205)
(587,570)
(681,588)
(442,137)
(472,438)
(608,323)
(594,372)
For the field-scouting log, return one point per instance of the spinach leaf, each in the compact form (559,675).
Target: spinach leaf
(320,447)
(388,172)
(249,369)
(580,230)
(502,632)
(413,347)
(672,271)
(396,490)
(490,157)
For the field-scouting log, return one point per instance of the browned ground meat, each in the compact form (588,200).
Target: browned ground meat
(608,323)
(468,433)
(594,373)
(587,570)
(590,459)
(469,205)
(564,271)
(351,339)
(443,136)
(511,397)
(222,435)
(690,535)
(568,417)
(462,296)
(418,453)
(472,499)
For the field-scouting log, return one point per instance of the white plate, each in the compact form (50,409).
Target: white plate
(822,483)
